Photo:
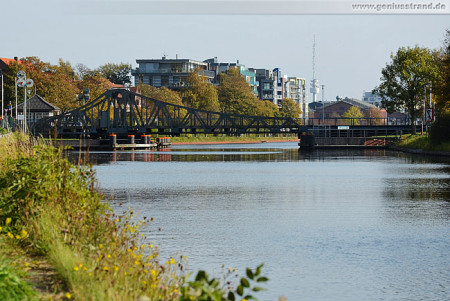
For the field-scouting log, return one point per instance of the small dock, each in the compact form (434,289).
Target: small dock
(113,142)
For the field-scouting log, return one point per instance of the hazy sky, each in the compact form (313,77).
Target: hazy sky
(351,49)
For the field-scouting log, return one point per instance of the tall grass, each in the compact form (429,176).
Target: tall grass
(53,208)
(422,142)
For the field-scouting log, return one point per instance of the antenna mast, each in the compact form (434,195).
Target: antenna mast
(314,82)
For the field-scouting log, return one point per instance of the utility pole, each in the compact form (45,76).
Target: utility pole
(323,105)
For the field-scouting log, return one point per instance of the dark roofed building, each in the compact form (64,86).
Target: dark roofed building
(336,109)
(38,108)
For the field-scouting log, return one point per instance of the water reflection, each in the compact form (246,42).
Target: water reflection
(328,224)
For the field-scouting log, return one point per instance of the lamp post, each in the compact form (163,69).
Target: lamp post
(84,96)
(425,103)
(25,83)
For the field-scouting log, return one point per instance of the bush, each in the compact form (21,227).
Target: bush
(51,206)
(12,287)
(440,129)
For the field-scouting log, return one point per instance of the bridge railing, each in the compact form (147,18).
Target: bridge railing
(364,121)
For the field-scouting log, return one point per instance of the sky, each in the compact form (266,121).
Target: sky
(351,48)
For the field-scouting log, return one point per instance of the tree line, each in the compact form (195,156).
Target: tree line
(411,75)
(61,83)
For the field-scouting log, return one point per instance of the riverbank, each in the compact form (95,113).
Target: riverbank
(56,229)
(421,145)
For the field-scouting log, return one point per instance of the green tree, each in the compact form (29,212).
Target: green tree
(235,95)
(200,94)
(352,115)
(116,73)
(403,80)
(288,108)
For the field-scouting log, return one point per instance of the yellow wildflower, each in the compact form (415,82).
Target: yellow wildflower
(136,262)
(75,268)
(85,268)
(10,235)
(90,274)
(18,236)
(26,264)
(116,268)
(8,221)
(105,268)
(109,256)
(100,246)
(0,228)
(68,295)
(24,233)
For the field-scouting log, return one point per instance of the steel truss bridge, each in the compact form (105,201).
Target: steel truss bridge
(124,112)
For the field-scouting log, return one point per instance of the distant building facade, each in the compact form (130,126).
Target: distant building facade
(371,98)
(220,67)
(170,73)
(266,84)
(266,88)
(295,89)
(335,109)
(37,108)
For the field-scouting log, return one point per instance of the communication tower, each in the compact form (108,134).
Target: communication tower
(314,89)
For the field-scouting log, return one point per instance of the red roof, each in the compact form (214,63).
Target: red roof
(8,61)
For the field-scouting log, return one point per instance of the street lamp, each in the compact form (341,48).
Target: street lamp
(25,83)
(84,95)
(425,102)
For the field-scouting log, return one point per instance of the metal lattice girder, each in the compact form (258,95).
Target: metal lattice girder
(123,111)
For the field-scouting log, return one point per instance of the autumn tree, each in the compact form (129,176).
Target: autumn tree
(200,94)
(162,94)
(116,73)
(375,115)
(9,77)
(352,115)
(440,129)
(404,78)
(267,108)
(95,82)
(55,83)
(235,95)
(442,89)
(289,108)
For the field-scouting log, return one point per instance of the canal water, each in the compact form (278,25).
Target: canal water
(328,225)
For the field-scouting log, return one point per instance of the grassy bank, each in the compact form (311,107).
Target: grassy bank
(422,142)
(52,209)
